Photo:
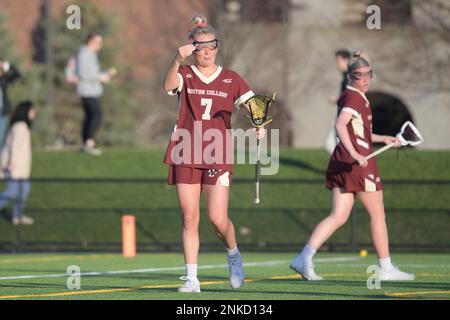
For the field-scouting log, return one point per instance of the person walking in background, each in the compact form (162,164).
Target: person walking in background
(8,74)
(16,162)
(90,89)
(342,57)
(350,175)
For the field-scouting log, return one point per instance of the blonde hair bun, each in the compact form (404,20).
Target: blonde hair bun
(358,59)
(199,21)
(200,26)
(362,55)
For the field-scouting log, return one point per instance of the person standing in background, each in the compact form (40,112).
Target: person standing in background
(8,74)
(16,162)
(342,57)
(90,89)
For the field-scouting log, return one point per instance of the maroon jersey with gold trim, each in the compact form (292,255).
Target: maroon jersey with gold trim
(201,138)
(343,171)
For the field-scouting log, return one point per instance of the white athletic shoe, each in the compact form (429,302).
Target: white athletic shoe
(236,270)
(305,269)
(91,150)
(191,284)
(394,274)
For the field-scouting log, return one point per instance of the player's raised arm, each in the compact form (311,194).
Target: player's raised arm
(171,79)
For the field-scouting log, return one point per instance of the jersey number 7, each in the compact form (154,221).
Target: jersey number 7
(208,104)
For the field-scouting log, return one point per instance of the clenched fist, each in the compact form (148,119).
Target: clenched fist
(394,140)
(184,52)
(362,161)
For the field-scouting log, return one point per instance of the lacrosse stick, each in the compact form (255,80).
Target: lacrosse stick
(408,135)
(259,107)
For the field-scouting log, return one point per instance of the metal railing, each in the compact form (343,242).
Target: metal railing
(20,245)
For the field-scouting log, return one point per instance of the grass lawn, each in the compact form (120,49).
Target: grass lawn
(86,216)
(155,276)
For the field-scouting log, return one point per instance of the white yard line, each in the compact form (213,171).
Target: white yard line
(431,265)
(152,270)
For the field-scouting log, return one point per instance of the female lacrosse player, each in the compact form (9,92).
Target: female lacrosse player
(207,94)
(349,175)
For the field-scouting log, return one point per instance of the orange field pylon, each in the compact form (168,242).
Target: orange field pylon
(128,236)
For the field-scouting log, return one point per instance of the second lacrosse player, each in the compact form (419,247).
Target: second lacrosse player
(349,175)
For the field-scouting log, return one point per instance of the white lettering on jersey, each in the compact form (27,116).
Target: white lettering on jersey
(196,91)
(208,92)
(217,93)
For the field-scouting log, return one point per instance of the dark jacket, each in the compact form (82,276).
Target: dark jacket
(5,79)
(345,82)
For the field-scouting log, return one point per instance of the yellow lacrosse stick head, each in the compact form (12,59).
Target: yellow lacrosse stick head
(259,107)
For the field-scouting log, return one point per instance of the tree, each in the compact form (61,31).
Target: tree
(7,50)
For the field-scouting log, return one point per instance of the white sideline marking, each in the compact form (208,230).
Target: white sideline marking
(212,266)
(444,266)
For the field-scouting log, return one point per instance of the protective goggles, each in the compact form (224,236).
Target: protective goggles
(200,45)
(363,75)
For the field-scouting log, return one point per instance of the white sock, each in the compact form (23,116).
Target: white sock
(308,253)
(191,270)
(386,263)
(232,252)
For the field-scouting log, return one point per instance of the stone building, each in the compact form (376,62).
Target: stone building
(289,46)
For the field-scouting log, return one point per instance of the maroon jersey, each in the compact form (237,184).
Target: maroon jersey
(343,171)
(201,138)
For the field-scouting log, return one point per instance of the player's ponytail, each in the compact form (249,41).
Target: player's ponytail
(200,26)
(358,59)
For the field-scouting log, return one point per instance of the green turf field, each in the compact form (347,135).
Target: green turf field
(155,276)
(84,215)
